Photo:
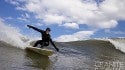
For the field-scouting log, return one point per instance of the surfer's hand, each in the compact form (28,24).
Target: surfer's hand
(29,26)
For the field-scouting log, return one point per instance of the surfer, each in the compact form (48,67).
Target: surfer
(46,38)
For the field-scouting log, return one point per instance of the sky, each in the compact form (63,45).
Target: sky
(69,20)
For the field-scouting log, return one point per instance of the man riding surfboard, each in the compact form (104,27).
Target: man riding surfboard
(46,38)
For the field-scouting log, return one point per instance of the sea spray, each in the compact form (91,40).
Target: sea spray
(12,35)
(119,43)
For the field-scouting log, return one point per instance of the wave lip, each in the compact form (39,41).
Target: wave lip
(119,43)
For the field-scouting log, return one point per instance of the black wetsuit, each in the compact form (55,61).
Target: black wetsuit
(46,38)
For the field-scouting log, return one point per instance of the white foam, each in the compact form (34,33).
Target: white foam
(119,43)
(11,35)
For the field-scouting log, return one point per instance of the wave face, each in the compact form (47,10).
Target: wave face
(119,43)
(78,55)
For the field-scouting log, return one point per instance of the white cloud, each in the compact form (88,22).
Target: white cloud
(118,32)
(114,9)
(24,17)
(53,19)
(86,12)
(12,2)
(71,25)
(9,18)
(105,15)
(81,35)
(11,35)
(104,24)
(39,24)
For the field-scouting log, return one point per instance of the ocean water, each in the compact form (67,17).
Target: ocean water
(103,54)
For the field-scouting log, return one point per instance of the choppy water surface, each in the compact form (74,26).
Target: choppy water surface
(80,55)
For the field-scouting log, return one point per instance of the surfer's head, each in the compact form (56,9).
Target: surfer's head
(48,30)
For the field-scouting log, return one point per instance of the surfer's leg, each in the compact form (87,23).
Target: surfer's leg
(42,44)
(37,42)
(46,44)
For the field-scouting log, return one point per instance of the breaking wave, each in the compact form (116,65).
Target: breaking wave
(119,43)
(12,35)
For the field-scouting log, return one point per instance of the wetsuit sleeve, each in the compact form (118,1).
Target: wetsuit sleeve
(54,45)
(39,30)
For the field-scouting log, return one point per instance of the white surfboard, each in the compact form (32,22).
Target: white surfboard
(45,52)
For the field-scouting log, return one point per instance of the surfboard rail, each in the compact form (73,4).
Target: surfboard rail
(41,51)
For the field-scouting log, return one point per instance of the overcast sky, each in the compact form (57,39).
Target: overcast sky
(69,20)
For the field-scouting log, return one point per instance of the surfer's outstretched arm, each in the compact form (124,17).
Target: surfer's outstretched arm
(39,30)
(54,45)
